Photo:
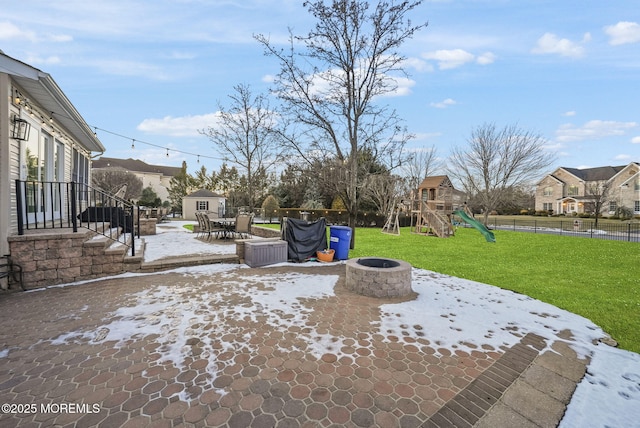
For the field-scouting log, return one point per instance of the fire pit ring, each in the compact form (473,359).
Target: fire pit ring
(378,277)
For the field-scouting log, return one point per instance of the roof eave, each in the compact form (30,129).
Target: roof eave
(46,92)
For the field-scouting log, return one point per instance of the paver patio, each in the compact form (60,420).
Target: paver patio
(176,349)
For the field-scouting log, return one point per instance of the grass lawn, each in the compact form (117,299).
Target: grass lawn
(595,278)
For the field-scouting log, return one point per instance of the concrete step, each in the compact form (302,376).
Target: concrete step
(197,260)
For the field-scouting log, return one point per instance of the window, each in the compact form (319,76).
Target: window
(80,172)
(548,191)
(573,191)
(636,185)
(202,205)
(636,206)
(547,206)
(613,206)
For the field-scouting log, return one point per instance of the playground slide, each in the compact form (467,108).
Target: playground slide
(489,236)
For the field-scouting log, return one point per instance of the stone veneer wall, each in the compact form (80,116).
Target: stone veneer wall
(58,258)
(148,226)
(378,282)
(264,232)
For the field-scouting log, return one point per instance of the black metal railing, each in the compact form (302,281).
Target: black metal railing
(579,227)
(56,205)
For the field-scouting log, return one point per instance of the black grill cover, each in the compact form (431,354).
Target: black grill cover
(113,215)
(304,238)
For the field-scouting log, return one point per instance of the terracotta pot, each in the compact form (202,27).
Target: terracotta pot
(325,256)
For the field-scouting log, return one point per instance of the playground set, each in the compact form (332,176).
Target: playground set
(433,210)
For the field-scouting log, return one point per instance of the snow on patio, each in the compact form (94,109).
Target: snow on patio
(172,239)
(451,312)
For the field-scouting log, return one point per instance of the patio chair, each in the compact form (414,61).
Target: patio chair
(11,271)
(243,225)
(201,227)
(211,227)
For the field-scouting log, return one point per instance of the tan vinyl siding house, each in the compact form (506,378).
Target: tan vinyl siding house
(157,177)
(575,191)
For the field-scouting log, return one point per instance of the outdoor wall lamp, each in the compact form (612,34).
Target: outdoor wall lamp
(20,129)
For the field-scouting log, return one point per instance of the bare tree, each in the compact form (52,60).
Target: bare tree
(244,136)
(598,194)
(384,190)
(331,81)
(110,180)
(420,164)
(498,160)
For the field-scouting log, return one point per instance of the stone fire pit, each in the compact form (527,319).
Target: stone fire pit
(378,277)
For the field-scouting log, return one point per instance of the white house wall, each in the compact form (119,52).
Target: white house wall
(13,151)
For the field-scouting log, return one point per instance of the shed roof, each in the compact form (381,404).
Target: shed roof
(204,193)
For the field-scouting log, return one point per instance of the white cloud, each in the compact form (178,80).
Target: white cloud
(268,78)
(131,68)
(550,44)
(444,103)
(454,58)
(417,64)
(9,31)
(36,60)
(486,58)
(185,126)
(635,140)
(569,113)
(403,86)
(450,58)
(423,136)
(593,129)
(623,32)
(622,157)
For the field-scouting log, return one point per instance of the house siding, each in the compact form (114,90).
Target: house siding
(623,189)
(71,131)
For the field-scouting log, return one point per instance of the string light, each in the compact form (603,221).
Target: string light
(198,156)
(21,101)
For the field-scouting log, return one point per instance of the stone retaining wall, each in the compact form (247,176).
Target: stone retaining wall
(63,257)
(148,226)
(264,232)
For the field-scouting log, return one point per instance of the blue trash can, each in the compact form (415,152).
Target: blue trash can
(340,241)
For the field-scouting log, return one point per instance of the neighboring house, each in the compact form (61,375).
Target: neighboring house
(43,142)
(155,176)
(203,200)
(572,190)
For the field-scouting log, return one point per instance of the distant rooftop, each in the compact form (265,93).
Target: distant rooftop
(595,174)
(135,165)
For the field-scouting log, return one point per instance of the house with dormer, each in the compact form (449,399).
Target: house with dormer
(576,191)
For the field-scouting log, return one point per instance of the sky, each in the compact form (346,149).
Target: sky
(454,309)
(148,75)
